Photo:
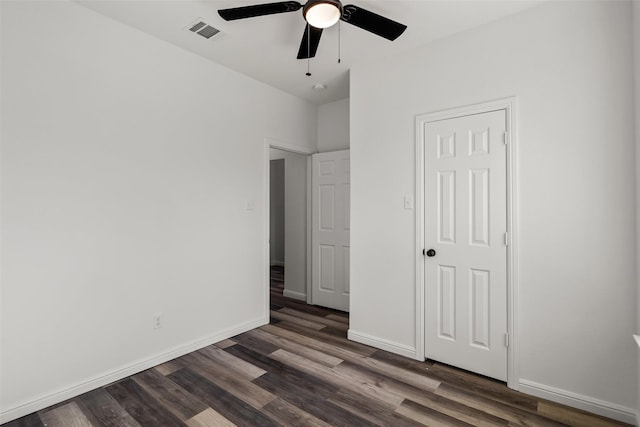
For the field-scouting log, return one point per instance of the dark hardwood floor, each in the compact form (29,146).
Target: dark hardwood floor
(302,371)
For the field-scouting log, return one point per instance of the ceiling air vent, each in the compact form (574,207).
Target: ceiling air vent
(204,29)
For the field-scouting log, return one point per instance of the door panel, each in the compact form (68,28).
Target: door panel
(479,207)
(326,208)
(480,308)
(446,302)
(465,223)
(330,229)
(447,204)
(327,268)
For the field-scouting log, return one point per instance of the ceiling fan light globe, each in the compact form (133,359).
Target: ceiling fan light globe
(322,14)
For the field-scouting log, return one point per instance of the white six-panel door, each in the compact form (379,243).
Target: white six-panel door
(465,225)
(330,233)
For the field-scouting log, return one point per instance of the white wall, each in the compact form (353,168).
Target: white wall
(126,164)
(276,213)
(569,65)
(636,74)
(333,126)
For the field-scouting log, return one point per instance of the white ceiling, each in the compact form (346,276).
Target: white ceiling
(265,48)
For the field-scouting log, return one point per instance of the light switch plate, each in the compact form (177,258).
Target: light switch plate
(408,202)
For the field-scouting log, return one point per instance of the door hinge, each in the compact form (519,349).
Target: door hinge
(506,239)
(506,339)
(505,138)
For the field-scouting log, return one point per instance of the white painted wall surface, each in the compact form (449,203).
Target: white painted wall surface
(570,66)
(126,165)
(636,74)
(333,126)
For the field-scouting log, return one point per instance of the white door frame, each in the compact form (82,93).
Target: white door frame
(509,105)
(292,148)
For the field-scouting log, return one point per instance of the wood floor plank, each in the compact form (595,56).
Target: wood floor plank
(102,410)
(456,410)
(341,342)
(421,381)
(316,343)
(430,417)
(486,387)
(415,366)
(140,405)
(323,373)
(209,418)
(223,402)
(310,402)
(296,320)
(338,318)
(282,302)
(256,343)
(225,343)
(296,348)
(285,372)
(234,364)
(316,319)
(31,420)
(508,413)
(355,404)
(69,415)
(169,367)
(290,415)
(338,333)
(357,373)
(239,387)
(173,397)
(573,417)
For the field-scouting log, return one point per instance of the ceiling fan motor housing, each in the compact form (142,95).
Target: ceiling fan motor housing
(311,4)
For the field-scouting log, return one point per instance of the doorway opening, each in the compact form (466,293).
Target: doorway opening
(276,223)
(279,150)
(288,223)
(313,265)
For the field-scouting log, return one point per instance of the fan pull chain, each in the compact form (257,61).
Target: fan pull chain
(339,54)
(308,50)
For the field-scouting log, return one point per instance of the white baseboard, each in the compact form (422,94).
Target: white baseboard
(295,295)
(277,263)
(390,346)
(47,400)
(586,403)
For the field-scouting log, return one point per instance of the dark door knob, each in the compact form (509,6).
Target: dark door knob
(431,253)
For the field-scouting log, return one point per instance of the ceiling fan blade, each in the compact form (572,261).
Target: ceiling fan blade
(309,43)
(259,10)
(372,22)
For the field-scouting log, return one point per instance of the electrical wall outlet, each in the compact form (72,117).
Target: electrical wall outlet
(157,321)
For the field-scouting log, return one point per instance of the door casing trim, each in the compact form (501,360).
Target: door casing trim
(509,105)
